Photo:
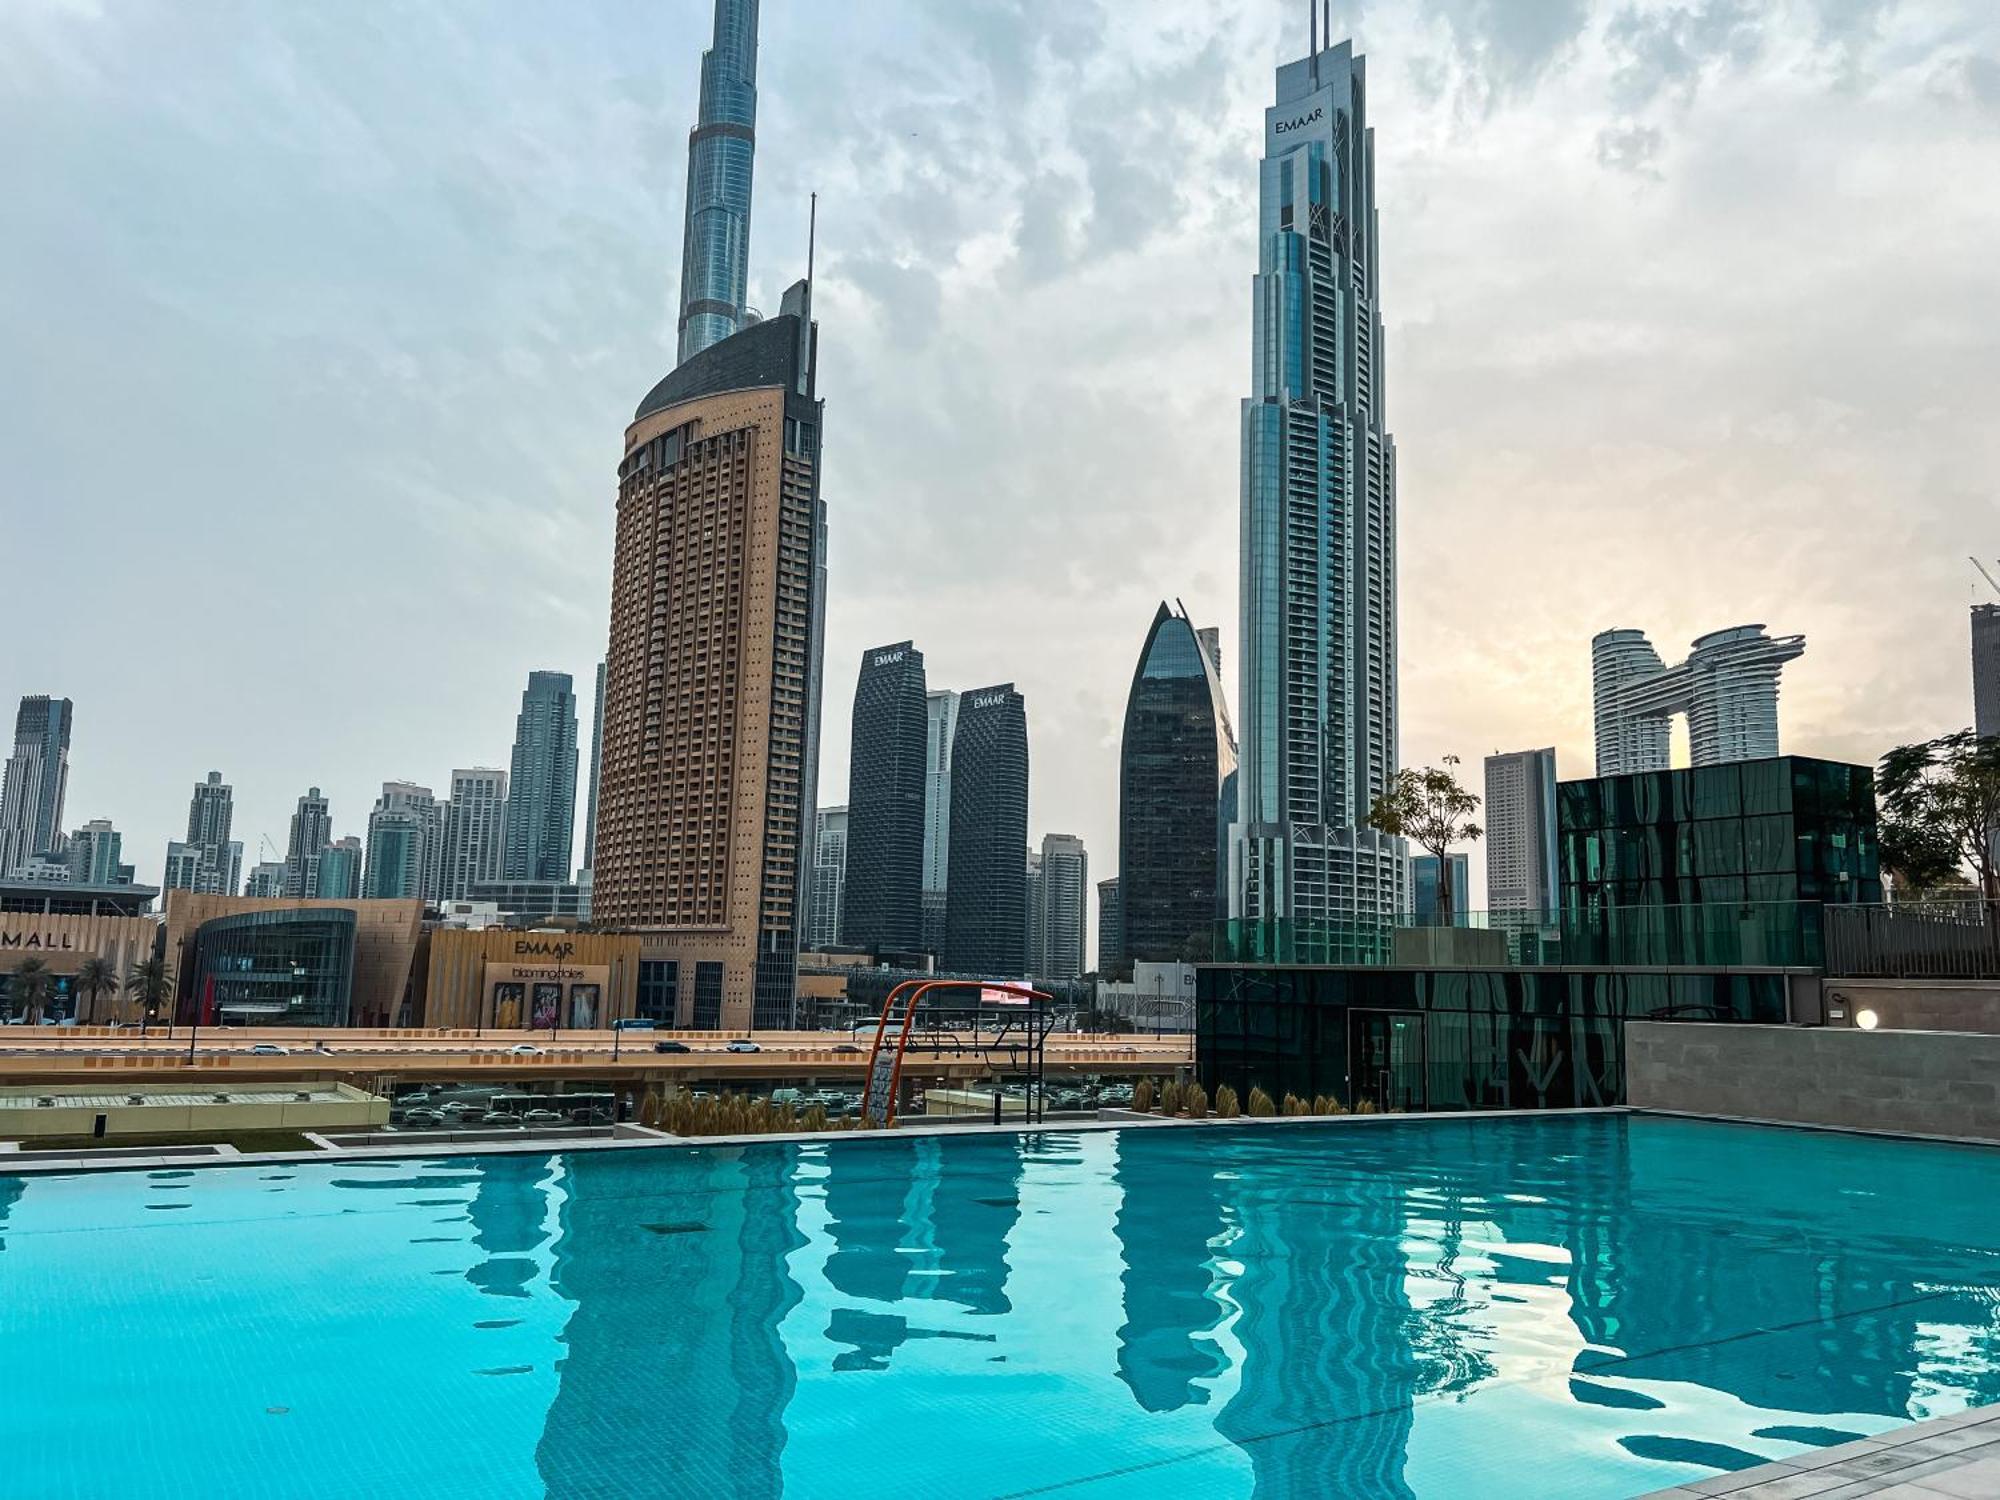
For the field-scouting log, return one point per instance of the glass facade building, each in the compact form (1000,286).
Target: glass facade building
(275,968)
(882,903)
(1318,539)
(1414,1039)
(986,896)
(1176,789)
(1424,890)
(35,781)
(715,242)
(1788,829)
(541,782)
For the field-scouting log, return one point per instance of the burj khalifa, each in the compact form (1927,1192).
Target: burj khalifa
(715,247)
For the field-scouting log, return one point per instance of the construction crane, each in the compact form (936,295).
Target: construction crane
(1991,582)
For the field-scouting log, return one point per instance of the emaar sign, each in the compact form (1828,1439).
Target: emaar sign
(1289,125)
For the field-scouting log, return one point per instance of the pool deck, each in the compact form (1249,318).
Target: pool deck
(1947,1458)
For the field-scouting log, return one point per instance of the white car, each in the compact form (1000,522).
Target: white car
(524,1049)
(270,1049)
(737,1044)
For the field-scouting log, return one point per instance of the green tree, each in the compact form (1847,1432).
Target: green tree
(29,988)
(1431,809)
(94,978)
(1939,805)
(151,987)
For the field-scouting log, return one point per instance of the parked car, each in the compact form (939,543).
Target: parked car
(542,1117)
(270,1049)
(591,1114)
(422,1117)
(671,1046)
(524,1049)
(499,1117)
(741,1044)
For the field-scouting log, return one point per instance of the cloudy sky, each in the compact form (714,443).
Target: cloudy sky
(320,325)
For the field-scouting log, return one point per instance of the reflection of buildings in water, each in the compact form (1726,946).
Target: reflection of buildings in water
(1168,1219)
(509,1209)
(675,1372)
(1813,1261)
(11,1189)
(1323,1404)
(900,1210)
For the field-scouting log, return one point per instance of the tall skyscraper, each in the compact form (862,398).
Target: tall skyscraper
(940,724)
(475,830)
(1520,832)
(266,879)
(1318,569)
(1176,789)
(715,244)
(596,772)
(882,907)
(35,781)
(711,673)
(822,926)
(1424,889)
(93,855)
(1986,669)
(1065,908)
(209,860)
(541,787)
(1111,960)
(1031,876)
(340,870)
(986,898)
(312,831)
(405,844)
(1727,687)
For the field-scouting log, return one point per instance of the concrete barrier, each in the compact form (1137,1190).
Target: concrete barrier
(1916,1082)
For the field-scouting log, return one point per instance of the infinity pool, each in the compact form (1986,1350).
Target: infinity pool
(1560,1306)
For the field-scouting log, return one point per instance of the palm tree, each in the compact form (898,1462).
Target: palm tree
(151,986)
(30,987)
(94,976)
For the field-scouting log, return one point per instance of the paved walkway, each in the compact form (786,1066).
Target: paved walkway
(1949,1458)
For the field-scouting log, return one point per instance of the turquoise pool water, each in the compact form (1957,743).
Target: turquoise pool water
(1549,1307)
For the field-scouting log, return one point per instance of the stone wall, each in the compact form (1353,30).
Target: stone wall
(1917,1004)
(1927,1082)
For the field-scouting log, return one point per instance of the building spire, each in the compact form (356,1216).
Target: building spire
(715,243)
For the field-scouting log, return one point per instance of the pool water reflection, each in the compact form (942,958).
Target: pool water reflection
(1556,1306)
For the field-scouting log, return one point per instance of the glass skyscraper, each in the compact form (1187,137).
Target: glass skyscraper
(715,245)
(882,904)
(986,895)
(1176,781)
(541,783)
(36,778)
(1318,579)
(941,716)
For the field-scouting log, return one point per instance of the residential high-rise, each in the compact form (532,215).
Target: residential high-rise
(1727,687)
(93,855)
(986,898)
(312,831)
(405,844)
(1031,876)
(266,880)
(1176,784)
(711,672)
(475,829)
(340,870)
(1064,899)
(1318,566)
(882,905)
(541,787)
(1986,669)
(35,781)
(1520,822)
(1111,959)
(822,925)
(940,724)
(715,243)
(209,860)
(596,772)
(1424,889)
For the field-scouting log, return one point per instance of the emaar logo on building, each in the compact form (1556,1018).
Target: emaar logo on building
(889,658)
(989,700)
(1312,117)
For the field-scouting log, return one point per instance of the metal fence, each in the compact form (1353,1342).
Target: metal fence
(1955,940)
